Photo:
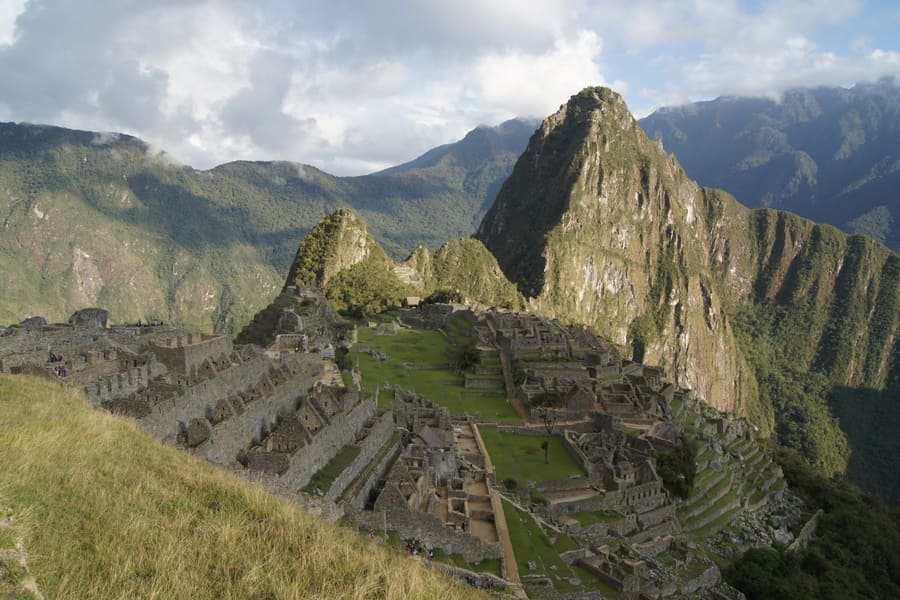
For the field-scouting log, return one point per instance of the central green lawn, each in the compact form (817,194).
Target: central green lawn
(521,457)
(418,348)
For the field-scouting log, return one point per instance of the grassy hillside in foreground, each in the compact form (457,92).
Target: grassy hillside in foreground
(107,512)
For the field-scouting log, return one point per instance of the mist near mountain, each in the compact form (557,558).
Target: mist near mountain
(829,154)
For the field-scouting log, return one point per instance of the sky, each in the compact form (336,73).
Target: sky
(356,86)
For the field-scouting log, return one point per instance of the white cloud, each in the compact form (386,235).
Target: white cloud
(350,86)
(9,11)
(532,84)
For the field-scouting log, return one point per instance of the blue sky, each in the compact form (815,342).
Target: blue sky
(352,86)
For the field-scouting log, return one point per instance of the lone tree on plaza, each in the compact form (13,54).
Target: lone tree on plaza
(547,403)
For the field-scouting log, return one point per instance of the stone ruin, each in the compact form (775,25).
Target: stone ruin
(279,416)
(276,421)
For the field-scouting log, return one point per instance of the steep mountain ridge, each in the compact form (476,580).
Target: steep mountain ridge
(104,219)
(829,154)
(598,224)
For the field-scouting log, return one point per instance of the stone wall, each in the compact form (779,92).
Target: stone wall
(809,530)
(707,579)
(357,502)
(120,384)
(563,485)
(237,433)
(184,352)
(644,497)
(473,383)
(369,446)
(610,501)
(479,580)
(195,402)
(324,446)
(656,516)
(431,531)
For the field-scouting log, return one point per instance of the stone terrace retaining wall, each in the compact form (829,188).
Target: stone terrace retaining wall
(378,436)
(323,447)
(358,501)
(563,485)
(163,422)
(429,529)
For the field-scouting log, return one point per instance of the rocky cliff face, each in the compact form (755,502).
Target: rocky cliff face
(599,225)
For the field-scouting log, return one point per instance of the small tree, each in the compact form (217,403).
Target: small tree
(546,403)
(466,357)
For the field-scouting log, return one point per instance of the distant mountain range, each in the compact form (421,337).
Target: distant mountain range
(828,154)
(100,219)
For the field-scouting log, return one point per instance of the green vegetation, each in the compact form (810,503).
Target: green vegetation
(854,554)
(679,467)
(521,458)
(421,361)
(367,288)
(774,338)
(206,249)
(316,251)
(488,565)
(464,268)
(323,478)
(532,544)
(130,517)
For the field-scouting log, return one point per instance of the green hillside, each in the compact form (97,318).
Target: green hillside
(102,219)
(358,278)
(104,511)
(829,154)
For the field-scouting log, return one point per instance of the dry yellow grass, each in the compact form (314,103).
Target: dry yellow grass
(108,512)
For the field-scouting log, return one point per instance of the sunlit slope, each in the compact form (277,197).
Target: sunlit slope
(107,512)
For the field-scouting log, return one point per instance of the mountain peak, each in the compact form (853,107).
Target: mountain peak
(337,242)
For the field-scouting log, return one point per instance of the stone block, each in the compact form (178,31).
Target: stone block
(197,432)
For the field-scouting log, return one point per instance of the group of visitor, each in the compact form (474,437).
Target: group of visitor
(417,548)
(60,369)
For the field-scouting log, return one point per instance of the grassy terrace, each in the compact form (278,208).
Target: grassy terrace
(325,476)
(532,545)
(429,354)
(107,512)
(520,457)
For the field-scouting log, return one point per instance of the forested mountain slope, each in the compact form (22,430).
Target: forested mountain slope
(103,219)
